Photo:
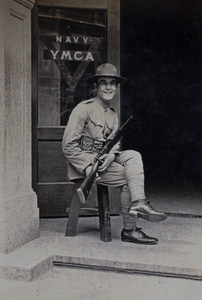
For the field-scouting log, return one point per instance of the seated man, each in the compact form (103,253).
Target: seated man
(89,125)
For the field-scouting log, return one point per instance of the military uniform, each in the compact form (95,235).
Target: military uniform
(89,126)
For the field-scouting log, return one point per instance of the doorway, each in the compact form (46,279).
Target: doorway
(68,44)
(161,49)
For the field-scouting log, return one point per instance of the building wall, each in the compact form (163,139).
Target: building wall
(19,218)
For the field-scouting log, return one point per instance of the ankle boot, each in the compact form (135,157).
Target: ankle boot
(142,209)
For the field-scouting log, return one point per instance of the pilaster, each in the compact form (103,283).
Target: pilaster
(19,216)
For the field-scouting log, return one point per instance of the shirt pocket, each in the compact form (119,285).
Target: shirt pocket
(96,121)
(95,127)
(109,127)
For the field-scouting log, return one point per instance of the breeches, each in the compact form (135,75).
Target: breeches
(127,173)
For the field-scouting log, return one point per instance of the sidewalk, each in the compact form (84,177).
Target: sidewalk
(178,253)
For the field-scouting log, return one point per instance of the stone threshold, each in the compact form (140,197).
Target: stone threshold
(128,267)
(29,274)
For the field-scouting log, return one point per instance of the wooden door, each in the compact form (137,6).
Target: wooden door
(68,45)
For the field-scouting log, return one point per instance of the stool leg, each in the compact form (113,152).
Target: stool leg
(104,215)
(72,223)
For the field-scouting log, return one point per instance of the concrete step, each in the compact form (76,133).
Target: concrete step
(177,254)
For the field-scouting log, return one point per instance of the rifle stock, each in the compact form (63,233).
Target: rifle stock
(84,190)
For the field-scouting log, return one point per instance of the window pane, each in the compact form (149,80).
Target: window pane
(71,45)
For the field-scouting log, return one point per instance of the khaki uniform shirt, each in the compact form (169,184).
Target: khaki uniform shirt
(89,125)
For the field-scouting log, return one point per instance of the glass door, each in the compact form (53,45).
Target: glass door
(68,45)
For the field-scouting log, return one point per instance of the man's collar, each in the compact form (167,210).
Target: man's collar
(103,104)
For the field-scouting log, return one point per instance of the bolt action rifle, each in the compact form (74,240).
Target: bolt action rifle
(84,190)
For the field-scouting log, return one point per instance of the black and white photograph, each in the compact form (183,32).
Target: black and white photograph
(101,149)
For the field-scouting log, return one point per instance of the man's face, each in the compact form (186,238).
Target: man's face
(107,88)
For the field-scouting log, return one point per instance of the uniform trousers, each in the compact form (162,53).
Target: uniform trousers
(127,173)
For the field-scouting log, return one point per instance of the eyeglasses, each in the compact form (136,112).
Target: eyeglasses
(104,83)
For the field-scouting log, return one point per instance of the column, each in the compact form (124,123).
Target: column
(19,215)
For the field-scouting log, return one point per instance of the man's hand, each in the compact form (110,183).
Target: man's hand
(107,160)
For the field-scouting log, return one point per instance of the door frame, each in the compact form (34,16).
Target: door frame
(113,42)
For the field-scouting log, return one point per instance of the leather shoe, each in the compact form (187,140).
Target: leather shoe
(137,236)
(145,211)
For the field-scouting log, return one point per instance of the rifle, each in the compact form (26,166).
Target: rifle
(84,190)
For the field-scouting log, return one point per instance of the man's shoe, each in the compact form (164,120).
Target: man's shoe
(137,236)
(143,210)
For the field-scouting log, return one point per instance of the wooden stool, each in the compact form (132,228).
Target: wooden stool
(103,208)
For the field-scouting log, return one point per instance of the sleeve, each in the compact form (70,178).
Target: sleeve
(71,137)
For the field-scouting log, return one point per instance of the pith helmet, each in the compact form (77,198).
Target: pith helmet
(106,70)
